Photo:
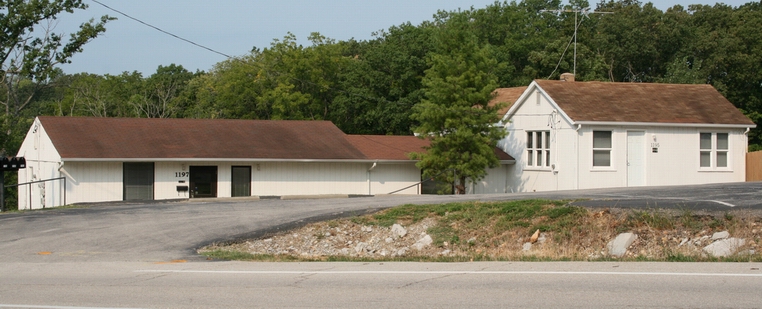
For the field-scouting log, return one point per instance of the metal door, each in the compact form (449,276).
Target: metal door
(241,184)
(138,180)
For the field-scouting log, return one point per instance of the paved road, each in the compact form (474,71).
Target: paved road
(93,256)
(382,285)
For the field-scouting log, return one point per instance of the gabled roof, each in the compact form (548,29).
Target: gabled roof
(642,103)
(508,96)
(110,138)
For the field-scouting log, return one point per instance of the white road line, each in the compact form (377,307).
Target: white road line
(453,272)
(722,203)
(56,307)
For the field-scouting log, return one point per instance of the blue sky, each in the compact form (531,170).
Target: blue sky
(233,27)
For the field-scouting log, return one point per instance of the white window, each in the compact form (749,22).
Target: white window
(713,150)
(601,148)
(538,149)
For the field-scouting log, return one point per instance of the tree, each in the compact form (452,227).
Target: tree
(28,60)
(456,115)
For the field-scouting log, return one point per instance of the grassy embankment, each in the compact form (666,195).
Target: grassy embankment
(478,231)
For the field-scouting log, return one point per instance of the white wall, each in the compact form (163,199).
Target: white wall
(536,113)
(675,163)
(496,181)
(386,178)
(42,161)
(295,178)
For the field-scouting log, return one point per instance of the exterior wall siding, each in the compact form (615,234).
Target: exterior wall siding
(94,182)
(387,178)
(538,114)
(495,182)
(676,161)
(273,178)
(103,181)
(42,164)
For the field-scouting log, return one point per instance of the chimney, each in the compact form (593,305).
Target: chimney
(567,77)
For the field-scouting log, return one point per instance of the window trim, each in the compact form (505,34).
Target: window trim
(610,151)
(544,147)
(714,151)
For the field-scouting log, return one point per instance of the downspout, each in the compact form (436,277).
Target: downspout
(63,171)
(369,182)
(746,137)
(579,126)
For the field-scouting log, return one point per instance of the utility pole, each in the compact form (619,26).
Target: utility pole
(585,13)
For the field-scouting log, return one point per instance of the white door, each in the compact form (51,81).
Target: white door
(636,175)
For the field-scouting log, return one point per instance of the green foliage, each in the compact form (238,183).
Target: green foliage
(456,116)
(28,58)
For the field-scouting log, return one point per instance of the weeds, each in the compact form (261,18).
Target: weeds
(479,231)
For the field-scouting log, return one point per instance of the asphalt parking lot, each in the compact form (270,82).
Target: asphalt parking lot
(162,231)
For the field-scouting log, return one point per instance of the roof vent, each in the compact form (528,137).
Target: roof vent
(567,77)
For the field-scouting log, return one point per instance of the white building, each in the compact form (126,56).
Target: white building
(115,159)
(579,135)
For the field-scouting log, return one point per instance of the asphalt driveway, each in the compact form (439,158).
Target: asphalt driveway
(158,232)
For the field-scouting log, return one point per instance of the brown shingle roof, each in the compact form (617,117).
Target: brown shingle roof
(394,147)
(507,96)
(387,147)
(151,138)
(87,137)
(643,102)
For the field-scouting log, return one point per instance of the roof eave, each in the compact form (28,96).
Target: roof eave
(665,124)
(386,161)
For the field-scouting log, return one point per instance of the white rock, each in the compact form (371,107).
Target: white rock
(446,252)
(423,242)
(720,235)
(402,252)
(542,238)
(724,247)
(685,241)
(389,240)
(526,247)
(398,230)
(360,247)
(345,251)
(472,240)
(618,246)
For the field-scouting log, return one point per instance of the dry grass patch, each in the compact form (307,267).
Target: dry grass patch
(501,231)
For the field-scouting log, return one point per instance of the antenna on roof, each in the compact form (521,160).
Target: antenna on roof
(585,13)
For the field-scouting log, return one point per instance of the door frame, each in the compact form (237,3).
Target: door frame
(232,179)
(125,176)
(214,181)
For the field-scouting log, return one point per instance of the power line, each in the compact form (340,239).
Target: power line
(162,31)
(377,99)
(585,13)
